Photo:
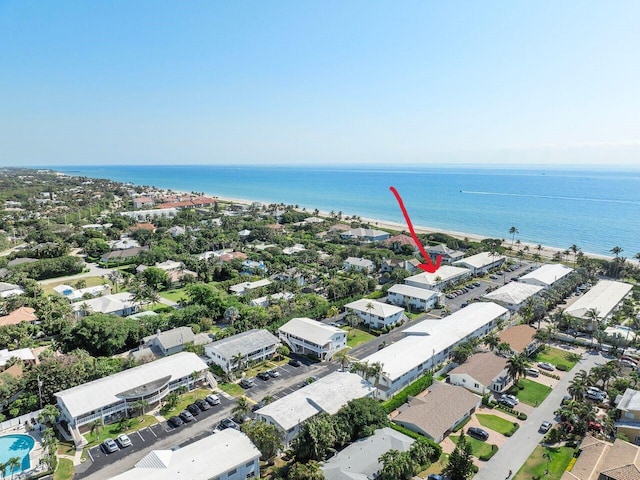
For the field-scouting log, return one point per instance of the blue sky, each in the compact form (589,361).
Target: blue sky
(326,82)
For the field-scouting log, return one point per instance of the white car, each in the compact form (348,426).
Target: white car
(546,366)
(123,440)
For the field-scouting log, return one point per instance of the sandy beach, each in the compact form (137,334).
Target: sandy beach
(547,251)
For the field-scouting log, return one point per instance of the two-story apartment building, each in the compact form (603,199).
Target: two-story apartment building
(309,337)
(628,422)
(236,351)
(417,299)
(376,314)
(481,263)
(444,276)
(482,373)
(359,264)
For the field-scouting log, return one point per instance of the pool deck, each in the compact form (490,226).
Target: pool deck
(35,455)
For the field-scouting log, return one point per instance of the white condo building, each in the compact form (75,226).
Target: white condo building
(309,337)
(376,314)
(547,275)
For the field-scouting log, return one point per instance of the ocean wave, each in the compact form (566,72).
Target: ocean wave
(553,197)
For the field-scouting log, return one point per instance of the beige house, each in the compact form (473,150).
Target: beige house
(482,373)
(437,411)
(520,339)
(628,422)
(600,460)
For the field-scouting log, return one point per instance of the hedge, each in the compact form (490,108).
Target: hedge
(411,390)
(515,428)
(562,367)
(437,449)
(511,411)
(494,450)
(461,425)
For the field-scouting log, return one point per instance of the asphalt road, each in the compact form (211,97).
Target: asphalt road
(515,452)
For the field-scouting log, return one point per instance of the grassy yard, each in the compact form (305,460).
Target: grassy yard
(436,467)
(478,447)
(536,465)
(232,389)
(112,430)
(530,392)
(65,470)
(495,423)
(556,357)
(91,282)
(357,337)
(174,294)
(185,399)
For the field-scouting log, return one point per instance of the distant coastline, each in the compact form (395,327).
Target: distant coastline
(554,208)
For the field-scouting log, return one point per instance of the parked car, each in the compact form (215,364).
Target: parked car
(212,399)
(186,416)
(507,402)
(435,476)
(545,426)
(110,446)
(477,284)
(627,363)
(512,398)
(546,366)
(257,406)
(247,383)
(228,423)
(493,277)
(273,373)
(532,372)
(294,363)
(263,376)
(175,421)
(203,405)
(193,408)
(566,399)
(123,440)
(478,433)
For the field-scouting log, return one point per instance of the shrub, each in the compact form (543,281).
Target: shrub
(437,449)
(522,416)
(412,390)
(494,450)
(461,424)
(562,367)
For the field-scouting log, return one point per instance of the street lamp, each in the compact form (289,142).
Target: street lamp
(40,390)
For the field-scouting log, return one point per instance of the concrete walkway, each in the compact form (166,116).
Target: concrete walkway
(516,451)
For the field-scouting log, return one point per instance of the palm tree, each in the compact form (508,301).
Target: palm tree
(577,388)
(513,231)
(369,308)
(516,367)
(242,408)
(575,249)
(3,468)
(343,357)
(594,316)
(97,426)
(616,251)
(238,360)
(492,341)
(14,464)
(140,405)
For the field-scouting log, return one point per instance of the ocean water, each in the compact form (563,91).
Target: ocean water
(595,210)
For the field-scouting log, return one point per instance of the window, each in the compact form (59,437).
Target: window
(231,472)
(249,464)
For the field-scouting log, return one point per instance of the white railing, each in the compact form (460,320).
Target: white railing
(18,421)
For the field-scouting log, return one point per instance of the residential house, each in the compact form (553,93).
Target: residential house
(521,339)
(253,267)
(24,354)
(481,263)
(448,255)
(267,299)
(227,455)
(359,264)
(430,342)
(327,394)
(513,295)
(244,287)
(547,275)
(361,459)
(141,215)
(123,256)
(445,275)
(390,264)
(309,337)
(376,314)
(297,248)
(364,235)
(168,342)
(414,298)
(9,290)
(244,234)
(20,261)
(19,315)
(482,373)
(120,304)
(123,243)
(109,398)
(143,202)
(437,411)
(237,351)
(628,407)
(600,460)
(605,297)
(176,231)
(398,242)
(77,294)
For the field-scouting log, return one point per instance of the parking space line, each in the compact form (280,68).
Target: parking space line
(140,435)
(90,456)
(154,433)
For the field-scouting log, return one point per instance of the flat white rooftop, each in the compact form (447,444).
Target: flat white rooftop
(415,292)
(480,260)
(430,337)
(443,274)
(513,293)
(547,274)
(105,391)
(604,296)
(202,460)
(383,310)
(327,394)
(310,330)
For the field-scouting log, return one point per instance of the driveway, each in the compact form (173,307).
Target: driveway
(516,451)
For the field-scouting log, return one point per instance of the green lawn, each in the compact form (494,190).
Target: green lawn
(530,392)
(436,467)
(555,357)
(232,389)
(478,447)
(64,471)
(536,465)
(174,295)
(495,423)
(357,337)
(112,430)
(185,399)
(91,282)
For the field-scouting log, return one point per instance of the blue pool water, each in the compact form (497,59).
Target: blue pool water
(16,446)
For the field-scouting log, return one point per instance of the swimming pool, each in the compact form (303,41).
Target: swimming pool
(16,446)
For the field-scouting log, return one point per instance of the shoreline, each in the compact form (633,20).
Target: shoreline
(547,251)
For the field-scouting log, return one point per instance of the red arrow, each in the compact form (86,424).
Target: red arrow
(429,266)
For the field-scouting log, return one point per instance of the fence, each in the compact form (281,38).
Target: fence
(18,421)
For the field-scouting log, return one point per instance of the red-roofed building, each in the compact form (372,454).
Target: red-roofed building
(22,314)
(396,242)
(144,226)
